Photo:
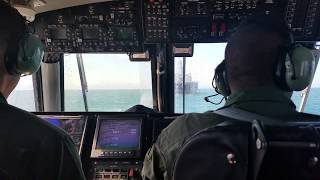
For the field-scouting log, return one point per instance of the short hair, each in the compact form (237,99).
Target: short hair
(12,24)
(253,50)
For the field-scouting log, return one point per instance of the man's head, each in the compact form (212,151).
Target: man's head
(20,51)
(12,29)
(253,51)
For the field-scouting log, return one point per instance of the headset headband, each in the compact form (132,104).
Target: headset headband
(271,22)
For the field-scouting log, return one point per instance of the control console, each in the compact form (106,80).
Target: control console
(103,27)
(156,20)
(74,125)
(214,20)
(125,26)
(302,17)
(120,170)
(117,147)
(208,20)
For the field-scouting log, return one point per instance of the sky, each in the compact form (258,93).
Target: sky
(108,71)
(115,71)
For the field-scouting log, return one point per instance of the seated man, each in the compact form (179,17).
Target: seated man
(30,148)
(251,59)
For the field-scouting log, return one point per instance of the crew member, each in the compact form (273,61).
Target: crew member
(30,148)
(258,63)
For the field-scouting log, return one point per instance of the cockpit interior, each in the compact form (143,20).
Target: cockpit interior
(117,72)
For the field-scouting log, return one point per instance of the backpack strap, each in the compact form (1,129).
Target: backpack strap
(241,115)
(258,147)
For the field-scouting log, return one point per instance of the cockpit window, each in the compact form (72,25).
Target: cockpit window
(199,72)
(312,105)
(112,83)
(23,95)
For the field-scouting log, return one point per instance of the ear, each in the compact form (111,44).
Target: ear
(3,48)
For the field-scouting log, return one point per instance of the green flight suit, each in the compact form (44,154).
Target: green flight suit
(159,160)
(33,149)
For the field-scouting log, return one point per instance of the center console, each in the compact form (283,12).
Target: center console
(116,149)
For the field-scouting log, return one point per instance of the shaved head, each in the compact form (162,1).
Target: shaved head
(12,24)
(251,56)
(12,28)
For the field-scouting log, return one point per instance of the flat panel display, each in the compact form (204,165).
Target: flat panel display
(73,125)
(58,33)
(90,33)
(119,134)
(117,137)
(125,34)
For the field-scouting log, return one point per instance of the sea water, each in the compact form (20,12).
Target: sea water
(195,102)
(120,100)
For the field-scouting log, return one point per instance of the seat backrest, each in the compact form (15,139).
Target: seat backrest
(291,152)
(249,151)
(216,153)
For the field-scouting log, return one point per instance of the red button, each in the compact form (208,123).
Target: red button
(131,173)
(213,27)
(223,28)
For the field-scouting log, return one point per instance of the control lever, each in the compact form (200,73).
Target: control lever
(133,174)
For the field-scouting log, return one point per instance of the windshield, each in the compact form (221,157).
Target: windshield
(114,83)
(198,82)
(198,78)
(23,95)
(313,98)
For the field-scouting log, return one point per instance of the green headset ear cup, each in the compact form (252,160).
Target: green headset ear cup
(300,68)
(280,68)
(221,81)
(30,55)
(10,59)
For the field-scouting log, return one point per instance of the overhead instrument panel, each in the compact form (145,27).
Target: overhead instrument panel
(303,18)
(103,27)
(124,26)
(208,20)
(214,20)
(156,20)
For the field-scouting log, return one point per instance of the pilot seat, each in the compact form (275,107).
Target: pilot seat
(248,148)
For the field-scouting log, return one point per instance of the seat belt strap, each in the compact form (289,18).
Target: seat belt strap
(241,115)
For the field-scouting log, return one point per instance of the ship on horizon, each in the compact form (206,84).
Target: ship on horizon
(190,85)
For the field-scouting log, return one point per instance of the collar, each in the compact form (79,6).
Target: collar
(270,95)
(3,99)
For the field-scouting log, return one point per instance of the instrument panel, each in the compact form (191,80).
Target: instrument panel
(127,25)
(73,125)
(103,27)
(117,137)
(208,20)
(156,18)
(111,145)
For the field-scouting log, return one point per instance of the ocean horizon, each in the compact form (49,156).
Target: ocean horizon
(119,100)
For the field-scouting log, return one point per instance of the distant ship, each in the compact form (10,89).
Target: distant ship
(190,85)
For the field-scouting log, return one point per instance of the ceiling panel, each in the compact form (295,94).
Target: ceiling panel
(60,4)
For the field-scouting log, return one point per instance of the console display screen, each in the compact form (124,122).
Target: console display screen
(119,135)
(90,33)
(73,125)
(58,33)
(125,34)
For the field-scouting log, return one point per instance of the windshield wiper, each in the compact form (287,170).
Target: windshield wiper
(83,79)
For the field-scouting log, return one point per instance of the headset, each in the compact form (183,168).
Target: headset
(294,67)
(24,51)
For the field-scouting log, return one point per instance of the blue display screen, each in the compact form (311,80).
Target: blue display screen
(74,126)
(119,134)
